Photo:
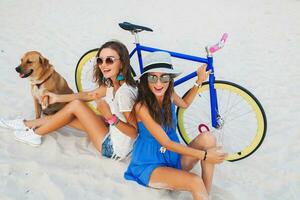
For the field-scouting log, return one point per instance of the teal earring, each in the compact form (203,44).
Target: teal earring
(106,81)
(120,77)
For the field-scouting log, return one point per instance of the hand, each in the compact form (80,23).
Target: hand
(202,74)
(103,107)
(50,97)
(215,155)
(94,95)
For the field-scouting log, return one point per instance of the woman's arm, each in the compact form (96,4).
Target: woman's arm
(213,156)
(188,99)
(129,128)
(83,96)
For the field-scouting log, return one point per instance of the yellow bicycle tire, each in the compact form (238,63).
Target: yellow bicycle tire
(85,58)
(248,98)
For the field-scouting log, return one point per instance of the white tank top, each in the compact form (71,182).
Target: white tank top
(122,102)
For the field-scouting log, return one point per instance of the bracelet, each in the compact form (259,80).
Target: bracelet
(205,154)
(116,123)
(197,85)
(113,120)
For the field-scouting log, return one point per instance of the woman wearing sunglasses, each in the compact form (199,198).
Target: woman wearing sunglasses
(114,97)
(158,158)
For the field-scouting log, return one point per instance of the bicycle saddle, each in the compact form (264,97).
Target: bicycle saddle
(133,27)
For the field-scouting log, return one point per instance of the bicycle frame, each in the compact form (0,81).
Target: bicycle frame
(209,61)
(253,109)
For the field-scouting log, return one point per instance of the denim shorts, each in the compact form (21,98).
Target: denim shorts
(107,147)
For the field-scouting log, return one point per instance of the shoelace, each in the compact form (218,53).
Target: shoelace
(26,132)
(3,122)
(115,157)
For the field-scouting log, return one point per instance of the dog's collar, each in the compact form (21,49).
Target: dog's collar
(39,84)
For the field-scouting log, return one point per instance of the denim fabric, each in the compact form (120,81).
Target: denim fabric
(107,147)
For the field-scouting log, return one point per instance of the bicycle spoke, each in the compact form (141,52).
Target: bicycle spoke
(231,108)
(239,116)
(239,125)
(227,104)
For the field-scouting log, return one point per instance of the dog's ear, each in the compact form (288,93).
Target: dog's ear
(44,61)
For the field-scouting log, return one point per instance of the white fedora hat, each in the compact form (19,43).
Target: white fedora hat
(159,61)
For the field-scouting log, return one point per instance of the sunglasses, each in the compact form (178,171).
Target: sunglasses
(108,60)
(165,78)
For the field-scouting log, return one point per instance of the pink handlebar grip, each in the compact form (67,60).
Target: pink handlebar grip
(220,44)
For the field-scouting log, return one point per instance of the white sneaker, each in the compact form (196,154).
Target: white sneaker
(15,124)
(28,136)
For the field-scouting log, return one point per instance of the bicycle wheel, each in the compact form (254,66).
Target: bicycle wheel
(243,119)
(84,74)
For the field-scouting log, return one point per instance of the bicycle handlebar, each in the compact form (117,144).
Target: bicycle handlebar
(219,45)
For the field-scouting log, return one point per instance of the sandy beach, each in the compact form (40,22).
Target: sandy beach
(261,54)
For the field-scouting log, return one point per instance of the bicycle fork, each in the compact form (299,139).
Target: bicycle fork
(216,119)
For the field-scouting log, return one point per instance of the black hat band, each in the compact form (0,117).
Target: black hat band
(158,65)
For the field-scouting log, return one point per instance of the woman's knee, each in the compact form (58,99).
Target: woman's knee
(76,103)
(210,140)
(206,140)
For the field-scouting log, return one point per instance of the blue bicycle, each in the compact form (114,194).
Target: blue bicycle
(226,109)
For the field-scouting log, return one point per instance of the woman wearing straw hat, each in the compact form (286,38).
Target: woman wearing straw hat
(158,158)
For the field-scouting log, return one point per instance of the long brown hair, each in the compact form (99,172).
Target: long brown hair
(146,97)
(126,72)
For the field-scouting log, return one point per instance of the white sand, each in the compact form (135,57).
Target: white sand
(262,55)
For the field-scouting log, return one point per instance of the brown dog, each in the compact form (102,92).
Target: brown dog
(43,79)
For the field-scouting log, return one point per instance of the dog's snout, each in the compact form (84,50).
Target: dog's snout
(18,69)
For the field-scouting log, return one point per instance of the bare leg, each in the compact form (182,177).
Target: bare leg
(89,121)
(203,141)
(35,123)
(174,179)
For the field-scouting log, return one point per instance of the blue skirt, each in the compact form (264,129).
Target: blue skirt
(147,155)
